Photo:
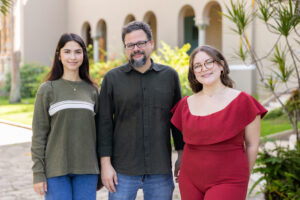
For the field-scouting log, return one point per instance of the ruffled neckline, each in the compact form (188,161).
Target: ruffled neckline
(214,113)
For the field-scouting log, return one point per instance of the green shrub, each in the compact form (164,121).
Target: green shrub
(99,69)
(290,104)
(32,76)
(90,52)
(274,113)
(7,84)
(280,169)
(179,60)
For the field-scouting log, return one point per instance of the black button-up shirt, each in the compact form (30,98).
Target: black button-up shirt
(134,121)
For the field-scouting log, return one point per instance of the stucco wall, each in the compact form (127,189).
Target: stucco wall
(44,22)
(114,14)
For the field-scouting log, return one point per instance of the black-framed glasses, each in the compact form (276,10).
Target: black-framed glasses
(140,44)
(208,64)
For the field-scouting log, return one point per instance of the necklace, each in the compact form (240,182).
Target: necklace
(74,88)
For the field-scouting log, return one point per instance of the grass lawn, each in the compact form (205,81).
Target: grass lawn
(22,113)
(19,112)
(270,126)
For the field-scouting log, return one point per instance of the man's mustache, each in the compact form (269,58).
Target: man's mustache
(137,52)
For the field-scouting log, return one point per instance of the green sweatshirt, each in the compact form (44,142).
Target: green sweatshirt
(64,132)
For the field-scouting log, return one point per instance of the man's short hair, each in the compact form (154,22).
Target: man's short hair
(134,26)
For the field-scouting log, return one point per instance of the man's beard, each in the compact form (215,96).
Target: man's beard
(140,62)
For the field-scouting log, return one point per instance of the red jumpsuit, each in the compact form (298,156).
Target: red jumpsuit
(214,162)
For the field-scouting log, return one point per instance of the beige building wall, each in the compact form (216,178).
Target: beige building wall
(44,22)
(114,14)
(168,29)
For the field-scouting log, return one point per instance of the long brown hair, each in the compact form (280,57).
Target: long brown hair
(217,57)
(57,69)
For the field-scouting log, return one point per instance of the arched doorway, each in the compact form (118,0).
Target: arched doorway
(150,19)
(102,39)
(129,18)
(187,31)
(213,34)
(86,34)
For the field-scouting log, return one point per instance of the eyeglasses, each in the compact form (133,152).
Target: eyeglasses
(208,64)
(140,44)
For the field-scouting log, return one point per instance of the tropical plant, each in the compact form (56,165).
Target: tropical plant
(280,168)
(282,18)
(7,7)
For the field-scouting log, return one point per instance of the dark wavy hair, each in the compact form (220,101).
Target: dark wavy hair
(57,69)
(134,26)
(217,57)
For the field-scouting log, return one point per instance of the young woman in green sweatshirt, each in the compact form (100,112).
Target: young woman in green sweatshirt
(64,133)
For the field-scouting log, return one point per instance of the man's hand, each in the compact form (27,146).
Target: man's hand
(177,165)
(108,174)
(40,188)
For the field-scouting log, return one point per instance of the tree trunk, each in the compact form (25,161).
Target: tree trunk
(15,90)
(15,93)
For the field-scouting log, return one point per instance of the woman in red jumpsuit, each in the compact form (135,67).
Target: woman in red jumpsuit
(221,129)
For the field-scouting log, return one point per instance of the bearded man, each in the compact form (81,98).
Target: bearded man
(134,126)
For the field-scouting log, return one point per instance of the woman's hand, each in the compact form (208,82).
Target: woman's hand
(40,188)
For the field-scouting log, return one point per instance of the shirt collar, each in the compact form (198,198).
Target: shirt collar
(154,66)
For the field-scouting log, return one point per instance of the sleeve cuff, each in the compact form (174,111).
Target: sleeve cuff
(39,177)
(105,152)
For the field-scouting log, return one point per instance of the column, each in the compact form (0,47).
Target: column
(201,25)
(96,48)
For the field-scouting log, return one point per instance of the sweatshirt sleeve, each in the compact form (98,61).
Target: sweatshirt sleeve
(40,129)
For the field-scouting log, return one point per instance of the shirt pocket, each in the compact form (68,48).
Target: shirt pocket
(163,97)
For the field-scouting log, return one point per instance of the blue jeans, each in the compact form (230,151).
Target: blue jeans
(155,187)
(72,187)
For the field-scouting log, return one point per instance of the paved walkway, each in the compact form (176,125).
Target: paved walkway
(15,167)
